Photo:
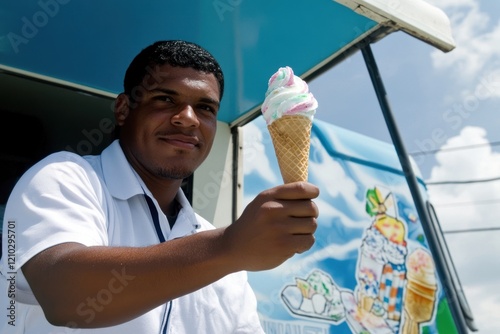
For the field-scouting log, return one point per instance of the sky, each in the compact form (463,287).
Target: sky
(446,106)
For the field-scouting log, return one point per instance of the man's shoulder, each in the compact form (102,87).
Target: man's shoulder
(61,156)
(58,167)
(55,160)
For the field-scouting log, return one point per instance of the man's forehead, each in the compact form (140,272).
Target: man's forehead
(160,73)
(158,80)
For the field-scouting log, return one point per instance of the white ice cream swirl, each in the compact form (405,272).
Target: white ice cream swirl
(287,94)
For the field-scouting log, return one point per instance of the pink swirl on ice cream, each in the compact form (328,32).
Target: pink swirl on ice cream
(287,94)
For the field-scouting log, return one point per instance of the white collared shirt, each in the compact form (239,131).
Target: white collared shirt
(99,201)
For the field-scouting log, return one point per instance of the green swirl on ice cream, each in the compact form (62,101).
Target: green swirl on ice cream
(287,94)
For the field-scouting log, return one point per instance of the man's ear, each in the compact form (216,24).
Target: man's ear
(122,108)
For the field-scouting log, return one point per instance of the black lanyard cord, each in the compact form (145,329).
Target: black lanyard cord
(156,222)
(155,217)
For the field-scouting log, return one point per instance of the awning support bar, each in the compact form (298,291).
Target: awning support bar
(411,179)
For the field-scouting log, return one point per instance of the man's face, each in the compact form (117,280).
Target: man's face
(170,129)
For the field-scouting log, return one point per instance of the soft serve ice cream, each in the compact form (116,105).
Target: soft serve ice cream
(289,109)
(287,94)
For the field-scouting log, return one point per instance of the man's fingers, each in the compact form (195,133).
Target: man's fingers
(301,208)
(299,226)
(293,191)
(302,242)
(291,208)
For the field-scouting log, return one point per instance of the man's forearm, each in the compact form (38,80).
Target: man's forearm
(136,280)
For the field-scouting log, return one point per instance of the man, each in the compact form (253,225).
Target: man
(109,242)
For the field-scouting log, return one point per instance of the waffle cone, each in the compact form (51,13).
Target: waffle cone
(419,301)
(291,137)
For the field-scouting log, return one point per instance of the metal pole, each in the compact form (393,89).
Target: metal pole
(411,179)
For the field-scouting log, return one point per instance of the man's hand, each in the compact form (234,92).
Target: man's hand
(277,224)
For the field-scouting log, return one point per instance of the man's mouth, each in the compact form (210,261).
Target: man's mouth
(181,140)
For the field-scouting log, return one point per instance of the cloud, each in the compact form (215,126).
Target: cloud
(473,35)
(324,164)
(475,60)
(470,206)
(452,3)
(255,159)
(462,165)
(488,308)
(478,268)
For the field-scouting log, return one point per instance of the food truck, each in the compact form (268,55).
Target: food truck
(380,263)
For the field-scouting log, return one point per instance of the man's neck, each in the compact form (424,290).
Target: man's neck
(173,213)
(165,192)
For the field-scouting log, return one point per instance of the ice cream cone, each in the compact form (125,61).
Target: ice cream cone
(421,287)
(419,300)
(289,109)
(419,304)
(291,139)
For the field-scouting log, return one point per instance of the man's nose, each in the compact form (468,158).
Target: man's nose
(185,117)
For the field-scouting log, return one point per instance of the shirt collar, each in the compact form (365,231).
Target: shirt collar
(123,183)
(120,178)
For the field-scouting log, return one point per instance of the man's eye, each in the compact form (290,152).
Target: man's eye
(208,108)
(164,98)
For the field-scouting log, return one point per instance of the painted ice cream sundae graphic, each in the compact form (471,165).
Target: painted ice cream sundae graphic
(316,296)
(395,292)
(381,268)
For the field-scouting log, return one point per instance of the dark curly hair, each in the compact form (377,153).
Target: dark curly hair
(174,53)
